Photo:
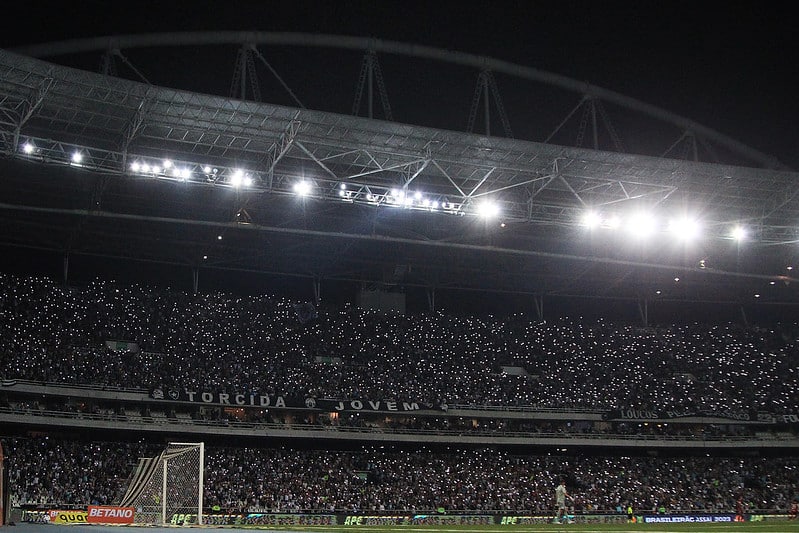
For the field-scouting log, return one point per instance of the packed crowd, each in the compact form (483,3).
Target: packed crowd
(62,472)
(215,342)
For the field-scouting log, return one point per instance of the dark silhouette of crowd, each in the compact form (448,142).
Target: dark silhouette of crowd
(50,332)
(217,342)
(63,472)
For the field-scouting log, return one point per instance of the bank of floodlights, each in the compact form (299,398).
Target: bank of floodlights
(397,197)
(638,225)
(642,225)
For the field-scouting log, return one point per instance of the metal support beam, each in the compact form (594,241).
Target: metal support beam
(538,301)
(643,311)
(195,279)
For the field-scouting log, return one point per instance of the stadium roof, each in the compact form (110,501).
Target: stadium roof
(389,204)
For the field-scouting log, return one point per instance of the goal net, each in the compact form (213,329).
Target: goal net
(168,489)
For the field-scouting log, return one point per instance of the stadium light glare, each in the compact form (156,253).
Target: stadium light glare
(685,229)
(237,178)
(302,188)
(591,219)
(641,225)
(488,209)
(612,222)
(77,157)
(28,147)
(738,233)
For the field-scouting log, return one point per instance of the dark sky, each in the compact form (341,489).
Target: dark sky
(727,65)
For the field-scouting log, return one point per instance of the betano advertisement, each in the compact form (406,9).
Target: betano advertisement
(95,514)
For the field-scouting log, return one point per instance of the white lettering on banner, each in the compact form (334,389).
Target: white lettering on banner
(790,418)
(636,413)
(224,398)
(358,405)
(110,513)
(207,397)
(266,401)
(191,396)
(239,399)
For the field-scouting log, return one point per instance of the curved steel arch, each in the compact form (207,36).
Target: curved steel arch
(177,39)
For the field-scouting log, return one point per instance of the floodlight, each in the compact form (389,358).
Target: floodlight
(167,163)
(303,188)
(237,178)
(77,157)
(591,219)
(641,225)
(684,228)
(488,209)
(28,147)
(738,233)
(135,166)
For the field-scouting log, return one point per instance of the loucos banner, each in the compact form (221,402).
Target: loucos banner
(730,415)
(254,399)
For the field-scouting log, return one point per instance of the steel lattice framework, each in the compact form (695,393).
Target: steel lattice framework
(389,203)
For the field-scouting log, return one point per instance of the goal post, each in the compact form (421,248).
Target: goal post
(168,489)
(4,499)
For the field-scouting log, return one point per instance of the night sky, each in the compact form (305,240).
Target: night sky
(727,65)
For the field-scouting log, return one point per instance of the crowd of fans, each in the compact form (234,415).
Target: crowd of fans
(63,472)
(217,342)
